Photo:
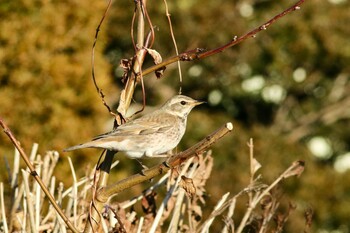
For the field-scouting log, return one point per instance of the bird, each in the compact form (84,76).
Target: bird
(152,135)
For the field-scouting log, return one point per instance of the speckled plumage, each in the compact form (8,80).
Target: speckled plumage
(151,135)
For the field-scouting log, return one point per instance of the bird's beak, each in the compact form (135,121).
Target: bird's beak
(198,103)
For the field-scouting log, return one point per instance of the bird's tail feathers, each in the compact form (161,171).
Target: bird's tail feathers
(80,146)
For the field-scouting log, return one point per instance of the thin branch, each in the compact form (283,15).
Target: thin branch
(294,170)
(132,28)
(217,210)
(140,24)
(174,42)
(143,3)
(2,207)
(74,194)
(251,158)
(124,103)
(35,175)
(127,93)
(197,54)
(30,202)
(99,90)
(174,223)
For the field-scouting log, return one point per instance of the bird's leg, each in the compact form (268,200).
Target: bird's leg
(166,155)
(169,154)
(165,163)
(144,167)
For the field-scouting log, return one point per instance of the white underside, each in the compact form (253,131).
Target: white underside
(136,151)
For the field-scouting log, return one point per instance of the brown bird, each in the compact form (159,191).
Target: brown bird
(151,135)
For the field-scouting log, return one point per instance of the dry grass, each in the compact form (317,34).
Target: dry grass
(179,210)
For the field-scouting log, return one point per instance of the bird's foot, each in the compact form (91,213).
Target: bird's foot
(144,167)
(165,163)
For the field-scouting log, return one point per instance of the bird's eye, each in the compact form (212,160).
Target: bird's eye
(183,102)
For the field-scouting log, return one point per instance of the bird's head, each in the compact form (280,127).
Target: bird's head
(180,105)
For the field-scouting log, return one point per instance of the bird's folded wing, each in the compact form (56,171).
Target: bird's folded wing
(137,128)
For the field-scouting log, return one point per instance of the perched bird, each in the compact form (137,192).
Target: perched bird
(151,135)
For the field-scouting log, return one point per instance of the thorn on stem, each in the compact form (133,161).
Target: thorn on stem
(263,27)
(33,173)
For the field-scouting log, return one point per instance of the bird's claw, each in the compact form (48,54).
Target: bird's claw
(166,164)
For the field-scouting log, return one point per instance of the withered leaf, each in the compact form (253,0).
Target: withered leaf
(297,168)
(125,64)
(188,186)
(159,73)
(256,165)
(266,202)
(157,58)
(149,203)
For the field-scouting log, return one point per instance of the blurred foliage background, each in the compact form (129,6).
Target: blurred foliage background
(288,89)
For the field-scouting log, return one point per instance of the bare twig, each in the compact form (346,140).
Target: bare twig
(200,53)
(133,200)
(2,206)
(218,207)
(144,5)
(174,42)
(136,74)
(37,193)
(35,175)
(30,202)
(74,194)
(229,226)
(177,213)
(99,90)
(124,103)
(15,172)
(294,170)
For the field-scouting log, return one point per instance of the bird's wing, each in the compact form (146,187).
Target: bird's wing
(148,124)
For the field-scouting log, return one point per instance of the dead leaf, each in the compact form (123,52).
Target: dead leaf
(149,203)
(298,168)
(159,73)
(125,64)
(157,58)
(309,213)
(188,186)
(266,202)
(256,165)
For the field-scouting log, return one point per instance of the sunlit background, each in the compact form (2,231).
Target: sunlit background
(287,88)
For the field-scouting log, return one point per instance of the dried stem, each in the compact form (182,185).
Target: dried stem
(2,206)
(174,223)
(251,158)
(99,90)
(295,169)
(174,42)
(197,54)
(217,209)
(35,175)
(30,202)
(124,103)
(128,92)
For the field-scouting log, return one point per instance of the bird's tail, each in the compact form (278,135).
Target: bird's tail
(80,146)
(93,144)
